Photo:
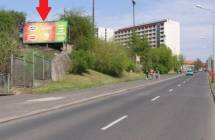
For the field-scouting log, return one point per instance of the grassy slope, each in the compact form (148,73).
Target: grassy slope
(213,88)
(91,79)
(48,53)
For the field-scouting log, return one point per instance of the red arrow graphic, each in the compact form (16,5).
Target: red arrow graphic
(43,9)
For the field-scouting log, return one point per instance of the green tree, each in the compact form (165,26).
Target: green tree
(111,58)
(136,44)
(8,46)
(198,64)
(81,61)
(162,59)
(179,63)
(145,56)
(81,29)
(10,21)
(9,33)
(81,35)
(176,64)
(181,59)
(140,47)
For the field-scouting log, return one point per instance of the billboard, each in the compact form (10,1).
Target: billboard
(45,32)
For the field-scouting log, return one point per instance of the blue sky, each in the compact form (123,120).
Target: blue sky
(196,28)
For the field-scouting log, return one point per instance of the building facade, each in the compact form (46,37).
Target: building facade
(159,32)
(188,65)
(105,34)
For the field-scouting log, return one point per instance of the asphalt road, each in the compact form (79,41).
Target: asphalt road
(179,109)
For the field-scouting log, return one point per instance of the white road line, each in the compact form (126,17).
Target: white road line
(154,99)
(171,90)
(184,82)
(157,82)
(179,85)
(113,123)
(45,99)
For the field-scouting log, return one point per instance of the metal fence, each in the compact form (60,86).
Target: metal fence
(4,83)
(42,68)
(21,72)
(25,73)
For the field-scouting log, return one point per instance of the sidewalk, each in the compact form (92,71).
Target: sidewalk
(20,106)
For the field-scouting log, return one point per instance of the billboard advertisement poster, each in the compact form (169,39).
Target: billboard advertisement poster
(45,32)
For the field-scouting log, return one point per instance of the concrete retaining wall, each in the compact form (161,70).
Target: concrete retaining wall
(61,64)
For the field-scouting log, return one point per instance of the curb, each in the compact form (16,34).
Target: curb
(117,92)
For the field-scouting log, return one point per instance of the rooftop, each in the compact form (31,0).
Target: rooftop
(188,62)
(143,24)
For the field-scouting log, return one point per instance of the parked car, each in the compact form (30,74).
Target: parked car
(189,73)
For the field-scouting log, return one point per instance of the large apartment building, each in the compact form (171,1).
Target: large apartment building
(159,32)
(105,34)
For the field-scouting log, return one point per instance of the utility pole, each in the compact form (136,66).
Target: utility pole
(93,13)
(134,3)
(134,23)
(213,57)
(213,53)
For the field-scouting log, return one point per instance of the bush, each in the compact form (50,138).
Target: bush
(81,35)
(111,58)
(7,47)
(81,28)
(81,61)
(163,60)
(9,33)
(10,21)
(131,66)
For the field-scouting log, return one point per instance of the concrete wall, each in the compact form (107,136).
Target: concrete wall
(61,64)
(172,36)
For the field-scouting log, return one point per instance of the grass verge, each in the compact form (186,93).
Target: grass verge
(87,80)
(213,88)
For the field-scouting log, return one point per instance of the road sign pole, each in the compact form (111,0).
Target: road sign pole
(33,70)
(213,57)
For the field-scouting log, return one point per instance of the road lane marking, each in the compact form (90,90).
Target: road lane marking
(156,82)
(113,123)
(154,99)
(65,105)
(45,99)
(179,85)
(184,82)
(171,90)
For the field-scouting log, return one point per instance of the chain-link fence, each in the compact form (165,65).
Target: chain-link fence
(21,72)
(4,83)
(29,73)
(42,68)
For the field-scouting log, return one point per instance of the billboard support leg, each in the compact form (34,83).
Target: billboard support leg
(43,68)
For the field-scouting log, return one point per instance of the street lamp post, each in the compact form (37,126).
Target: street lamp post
(209,61)
(134,3)
(93,13)
(213,56)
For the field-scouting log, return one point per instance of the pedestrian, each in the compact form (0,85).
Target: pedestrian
(147,75)
(157,74)
(151,74)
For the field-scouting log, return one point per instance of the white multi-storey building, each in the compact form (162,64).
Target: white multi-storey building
(159,32)
(106,34)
